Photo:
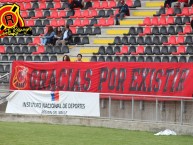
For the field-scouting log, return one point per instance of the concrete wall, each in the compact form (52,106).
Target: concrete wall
(144,116)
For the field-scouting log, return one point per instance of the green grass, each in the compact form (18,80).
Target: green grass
(47,134)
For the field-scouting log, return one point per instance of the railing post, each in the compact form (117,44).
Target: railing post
(109,107)
(156,110)
(132,109)
(181,111)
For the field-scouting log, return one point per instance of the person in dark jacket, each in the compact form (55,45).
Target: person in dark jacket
(168,3)
(76,4)
(123,10)
(67,35)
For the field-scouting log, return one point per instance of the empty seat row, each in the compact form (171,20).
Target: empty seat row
(76,22)
(141,59)
(163,20)
(28,58)
(86,31)
(163,30)
(37,14)
(74,41)
(42,5)
(32,49)
(148,50)
(153,40)
(15,40)
(175,11)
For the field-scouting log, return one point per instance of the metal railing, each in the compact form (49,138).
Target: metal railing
(157,109)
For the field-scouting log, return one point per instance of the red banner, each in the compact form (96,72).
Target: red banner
(168,79)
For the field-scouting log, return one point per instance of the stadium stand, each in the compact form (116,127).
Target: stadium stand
(151,33)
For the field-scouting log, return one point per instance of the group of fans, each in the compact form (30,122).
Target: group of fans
(57,37)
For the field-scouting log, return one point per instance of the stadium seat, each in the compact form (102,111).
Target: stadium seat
(101,59)
(38,14)
(133,59)
(125,59)
(62,14)
(185,12)
(187,30)
(171,41)
(35,41)
(96,5)
(124,50)
(140,40)
(149,59)
(174,59)
(57,5)
(40,50)
(148,50)
(146,31)
(169,12)
(182,59)
(157,59)
(93,59)
(42,6)
(164,50)
(125,40)
(190,59)
(189,50)
(170,20)
(156,40)
(101,51)
(180,50)
(156,50)
(117,49)
(155,21)
(171,30)
(53,15)
(77,14)
(101,22)
(139,50)
(117,59)
(109,50)
(178,20)
(162,20)
(146,22)
(165,59)
(140,59)
(2,49)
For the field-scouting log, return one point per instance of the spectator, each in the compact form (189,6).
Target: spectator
(48,37)
(192,24)
(57,35)
(190,3)
(66,58)
(66,37)
(180,2)
(168,3)
(79,58)
(123,10)
(75,4)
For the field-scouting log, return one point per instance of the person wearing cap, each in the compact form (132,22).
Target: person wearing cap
(123,10)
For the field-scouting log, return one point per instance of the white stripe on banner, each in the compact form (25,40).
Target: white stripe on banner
(53,103)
